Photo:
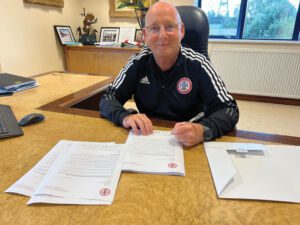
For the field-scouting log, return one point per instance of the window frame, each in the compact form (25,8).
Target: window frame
(241,24)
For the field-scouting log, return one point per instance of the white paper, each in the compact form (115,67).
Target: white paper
(85,172)
(155,153)
(74,172)
(127,33)
(107,44)
(66,201)
(28,184)
(273,175)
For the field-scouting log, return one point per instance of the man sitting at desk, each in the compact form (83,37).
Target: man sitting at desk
(172,82)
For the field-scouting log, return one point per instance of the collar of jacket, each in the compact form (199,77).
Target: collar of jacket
(151,63)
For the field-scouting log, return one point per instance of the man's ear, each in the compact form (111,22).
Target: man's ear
(144,37)
(182,31)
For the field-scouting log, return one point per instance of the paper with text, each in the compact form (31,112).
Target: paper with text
(85,172)
(75,172)
(158,152)
(28,184)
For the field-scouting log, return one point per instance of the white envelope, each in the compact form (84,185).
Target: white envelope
(253,171)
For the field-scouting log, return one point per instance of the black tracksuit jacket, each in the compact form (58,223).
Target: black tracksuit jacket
(190,87)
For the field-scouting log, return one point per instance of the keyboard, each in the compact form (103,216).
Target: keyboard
(9,126)
(3,127)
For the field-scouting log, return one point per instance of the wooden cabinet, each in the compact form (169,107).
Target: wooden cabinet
(97,60)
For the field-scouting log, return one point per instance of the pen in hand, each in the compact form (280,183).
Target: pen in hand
(197,117)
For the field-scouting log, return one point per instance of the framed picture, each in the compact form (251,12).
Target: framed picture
(109,34)
(57,3)
(124,8)
(138,37)
(64,34)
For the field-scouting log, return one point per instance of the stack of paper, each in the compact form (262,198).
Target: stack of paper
(74,173)
(159,153)
(88,172)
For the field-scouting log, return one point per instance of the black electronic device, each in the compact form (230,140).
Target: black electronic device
(9,126)
(31,118)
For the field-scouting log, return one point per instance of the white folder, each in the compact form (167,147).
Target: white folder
(254,171)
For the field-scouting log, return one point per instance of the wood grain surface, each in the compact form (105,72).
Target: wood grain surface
(140,198)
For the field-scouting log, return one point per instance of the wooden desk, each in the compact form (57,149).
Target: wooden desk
(103,61)
(140,198)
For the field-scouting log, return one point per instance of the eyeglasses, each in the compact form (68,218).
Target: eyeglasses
(169,28)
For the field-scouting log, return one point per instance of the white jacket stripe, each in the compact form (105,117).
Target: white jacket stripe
(206,65)
(120,78)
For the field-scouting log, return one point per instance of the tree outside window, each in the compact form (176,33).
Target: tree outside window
(260,19)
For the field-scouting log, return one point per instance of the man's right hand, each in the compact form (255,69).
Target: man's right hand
(138,122)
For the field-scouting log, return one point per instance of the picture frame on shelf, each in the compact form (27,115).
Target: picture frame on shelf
(138,37)
(64,34)
(120,9)
(109,35)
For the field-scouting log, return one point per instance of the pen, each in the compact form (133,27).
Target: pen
(197,117)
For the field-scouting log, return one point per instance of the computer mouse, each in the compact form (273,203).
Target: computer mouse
(31,118)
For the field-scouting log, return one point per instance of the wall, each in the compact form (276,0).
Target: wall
(28,44)
(100,8)
(284,45)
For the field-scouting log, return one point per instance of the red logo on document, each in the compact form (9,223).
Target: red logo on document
(172,165)
(104,192)
(184,85)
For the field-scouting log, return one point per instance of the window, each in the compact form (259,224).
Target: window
(223,17)
(253,19)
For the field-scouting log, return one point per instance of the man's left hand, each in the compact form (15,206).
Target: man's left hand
(189,134)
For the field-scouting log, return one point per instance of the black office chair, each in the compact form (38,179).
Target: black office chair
(196,28)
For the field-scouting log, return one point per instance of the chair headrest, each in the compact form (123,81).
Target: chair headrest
(196,28)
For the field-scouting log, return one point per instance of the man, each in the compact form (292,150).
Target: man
(170,82)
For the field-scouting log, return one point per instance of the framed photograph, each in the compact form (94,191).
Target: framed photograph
(109,34)
(124,8)
(64,34)
(138,37)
